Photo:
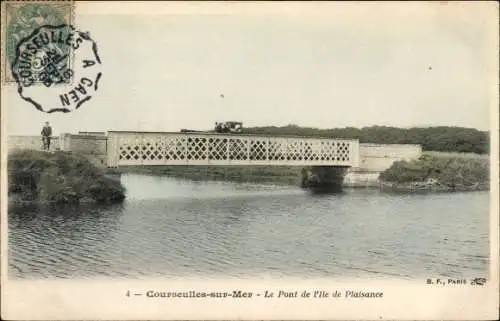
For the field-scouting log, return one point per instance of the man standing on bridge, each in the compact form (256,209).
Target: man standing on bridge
(46,135)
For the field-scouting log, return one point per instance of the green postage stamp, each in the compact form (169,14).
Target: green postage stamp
(22,18)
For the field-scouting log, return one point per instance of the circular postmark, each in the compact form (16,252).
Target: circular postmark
(57,68)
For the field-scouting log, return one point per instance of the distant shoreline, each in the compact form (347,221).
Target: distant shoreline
(433,172)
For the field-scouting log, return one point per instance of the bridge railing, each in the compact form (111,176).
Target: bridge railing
(150,148)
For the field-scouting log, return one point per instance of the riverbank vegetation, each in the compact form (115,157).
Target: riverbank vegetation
(59,177)
(435,171)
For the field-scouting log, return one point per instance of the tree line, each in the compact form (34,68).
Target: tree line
(441,138)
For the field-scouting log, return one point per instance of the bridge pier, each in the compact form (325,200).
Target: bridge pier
(324,178)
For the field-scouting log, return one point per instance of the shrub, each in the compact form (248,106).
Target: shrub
(450,169)
(59,177)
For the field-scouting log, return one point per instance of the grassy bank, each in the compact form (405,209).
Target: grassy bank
(438,171)
(59,177)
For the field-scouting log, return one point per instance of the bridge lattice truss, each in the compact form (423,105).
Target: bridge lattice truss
(131,148)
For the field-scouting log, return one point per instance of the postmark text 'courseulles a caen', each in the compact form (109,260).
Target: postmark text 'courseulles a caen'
(45,75)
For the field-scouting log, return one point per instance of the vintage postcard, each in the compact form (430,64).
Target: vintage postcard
(249,160)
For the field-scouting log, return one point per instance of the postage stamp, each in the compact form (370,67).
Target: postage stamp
(21,18)
(54,65)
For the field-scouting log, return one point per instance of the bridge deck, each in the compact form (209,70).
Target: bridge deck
(154,148)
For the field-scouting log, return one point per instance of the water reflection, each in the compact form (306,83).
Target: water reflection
(46,239)
(169,227)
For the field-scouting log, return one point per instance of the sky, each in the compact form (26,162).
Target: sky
(326,65)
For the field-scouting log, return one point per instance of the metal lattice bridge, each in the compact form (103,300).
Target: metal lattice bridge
(150,148)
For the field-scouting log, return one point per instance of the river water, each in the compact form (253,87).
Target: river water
(170,227)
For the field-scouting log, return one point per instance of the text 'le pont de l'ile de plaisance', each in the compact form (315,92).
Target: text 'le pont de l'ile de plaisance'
(280,294)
